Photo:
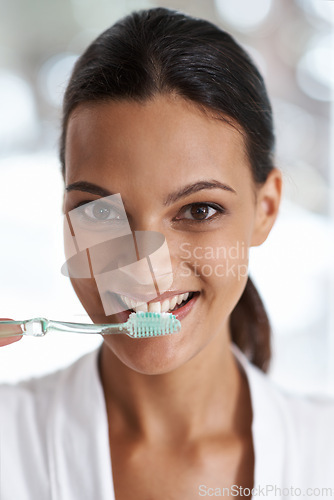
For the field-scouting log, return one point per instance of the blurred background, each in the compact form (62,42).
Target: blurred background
(291,41)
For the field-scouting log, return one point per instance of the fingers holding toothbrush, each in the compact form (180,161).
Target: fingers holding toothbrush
(8,333)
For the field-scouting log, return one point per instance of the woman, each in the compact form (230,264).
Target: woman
(169,112)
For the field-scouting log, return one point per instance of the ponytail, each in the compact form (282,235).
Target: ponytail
(250,327)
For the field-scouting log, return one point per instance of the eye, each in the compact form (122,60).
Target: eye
(202,212)
(98,211)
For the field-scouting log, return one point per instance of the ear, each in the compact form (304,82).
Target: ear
(268,199)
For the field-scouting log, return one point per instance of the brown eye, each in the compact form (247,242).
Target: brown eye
(201,212)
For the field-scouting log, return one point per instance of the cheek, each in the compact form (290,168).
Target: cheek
(220,266)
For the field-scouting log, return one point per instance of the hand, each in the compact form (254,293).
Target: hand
(10,329)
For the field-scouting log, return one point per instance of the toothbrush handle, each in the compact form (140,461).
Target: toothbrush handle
(61,326)
(38,327)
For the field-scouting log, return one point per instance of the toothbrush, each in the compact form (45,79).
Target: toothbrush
(139,325)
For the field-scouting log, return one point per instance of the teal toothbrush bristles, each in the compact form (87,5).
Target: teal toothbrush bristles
(150,324)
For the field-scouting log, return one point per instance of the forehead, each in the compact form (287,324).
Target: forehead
(167,134)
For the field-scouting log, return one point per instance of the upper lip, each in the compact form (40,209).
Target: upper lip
(160,298)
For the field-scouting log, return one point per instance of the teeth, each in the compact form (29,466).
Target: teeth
(179,299)
(165,306)
(154,307)
(173,302)
(141,307)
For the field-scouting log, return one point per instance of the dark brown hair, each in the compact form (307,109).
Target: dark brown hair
(161,51)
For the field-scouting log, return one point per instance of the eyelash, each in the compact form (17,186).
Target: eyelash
(219,211)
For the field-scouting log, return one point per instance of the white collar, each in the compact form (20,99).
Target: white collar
(268,425)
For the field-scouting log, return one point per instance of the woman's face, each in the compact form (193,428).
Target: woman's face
(147,153)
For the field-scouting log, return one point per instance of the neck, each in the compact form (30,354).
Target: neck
(207,395)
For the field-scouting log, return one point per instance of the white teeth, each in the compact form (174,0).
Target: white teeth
(173,302)
(154,307)
(133,304)
(141,307)
(179,299)
(165,306)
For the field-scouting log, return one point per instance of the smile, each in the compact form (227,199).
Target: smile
(167,305)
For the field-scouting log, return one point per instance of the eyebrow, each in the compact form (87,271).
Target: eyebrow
(89,187)
(194,188)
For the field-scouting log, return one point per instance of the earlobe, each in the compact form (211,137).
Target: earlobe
(267,206)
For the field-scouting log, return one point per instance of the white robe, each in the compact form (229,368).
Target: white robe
(55,446)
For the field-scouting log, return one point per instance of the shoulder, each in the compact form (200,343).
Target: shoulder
(309,417)
(296,430)
(310,420)
(314,411)
(302,411)
(308,432)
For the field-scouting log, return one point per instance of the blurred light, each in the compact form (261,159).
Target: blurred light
(54,75)
(321,8)
(308,188)
(18,122)
(242,15)
(296,258)
(292,37)
(313,69)
(295,130)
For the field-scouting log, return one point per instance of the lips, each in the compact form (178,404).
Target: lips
(179,312)
(182,311)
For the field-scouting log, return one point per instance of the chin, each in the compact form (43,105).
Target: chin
(152,356)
